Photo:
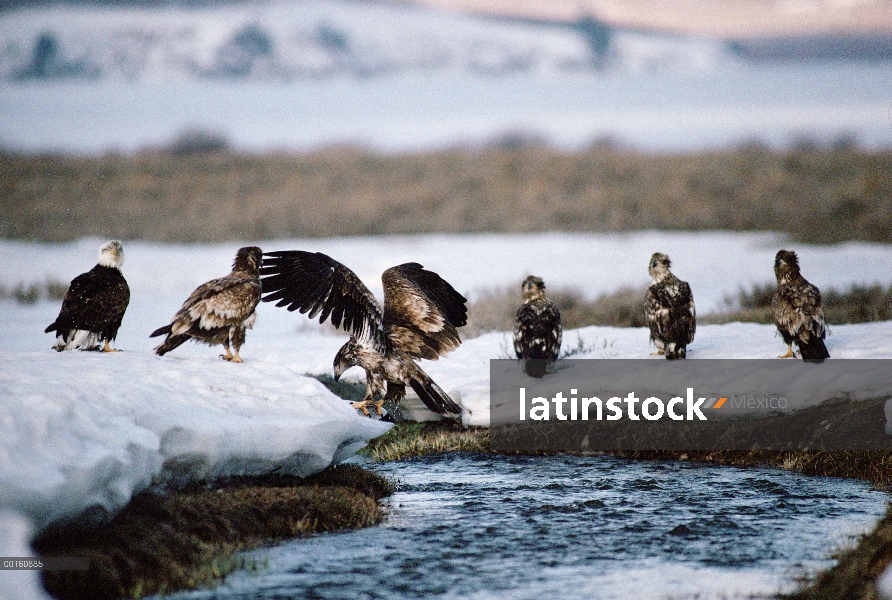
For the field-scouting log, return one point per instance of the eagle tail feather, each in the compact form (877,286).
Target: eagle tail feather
(676,351)
(536,367)
(172,342)
(75,339)
(814,349)
(160,331)
(433,395)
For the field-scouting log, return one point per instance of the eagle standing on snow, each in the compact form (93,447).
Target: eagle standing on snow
(537,328)
(219,311)
(419,320)
(797,308)
(669,309)
(94,305)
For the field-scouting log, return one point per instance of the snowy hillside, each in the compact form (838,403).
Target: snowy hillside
(283,40)
(78,429)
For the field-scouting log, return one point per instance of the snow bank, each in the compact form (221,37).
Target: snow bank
(82,429)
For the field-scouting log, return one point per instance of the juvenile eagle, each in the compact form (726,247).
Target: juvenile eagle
(797,308)
(94,305)
(537,328)
(669,309)
(219,311)
(419,320)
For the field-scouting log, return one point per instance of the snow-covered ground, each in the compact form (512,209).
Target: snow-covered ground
(78,429)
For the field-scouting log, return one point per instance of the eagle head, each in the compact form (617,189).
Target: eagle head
(658,266)
(533,288)
(347,356)
(248,259)
(786,265)
(111,254)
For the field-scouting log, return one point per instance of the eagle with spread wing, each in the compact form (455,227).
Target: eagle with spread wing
(219,311)
(797,308)
(669,309)
(419,320)
(94,304)
(537,328)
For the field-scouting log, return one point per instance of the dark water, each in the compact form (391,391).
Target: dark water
(480,526)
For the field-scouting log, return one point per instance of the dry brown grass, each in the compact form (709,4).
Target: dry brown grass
(161,543)
(817,195)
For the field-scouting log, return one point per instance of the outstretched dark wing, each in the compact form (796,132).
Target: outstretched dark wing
(422,311)
(318,285)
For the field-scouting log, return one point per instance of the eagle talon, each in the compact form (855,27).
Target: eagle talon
(789,353)
(363,406)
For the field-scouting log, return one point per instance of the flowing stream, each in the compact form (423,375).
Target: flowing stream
(495,527)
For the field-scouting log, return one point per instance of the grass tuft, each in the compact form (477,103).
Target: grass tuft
(52,290)
(407,439)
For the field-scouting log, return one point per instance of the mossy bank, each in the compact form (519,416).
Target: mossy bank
(162,542)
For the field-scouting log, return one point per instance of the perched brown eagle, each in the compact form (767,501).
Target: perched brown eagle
(419,320)
(797,308)
(94,305)
(537,328)
(219,311)
(669,309)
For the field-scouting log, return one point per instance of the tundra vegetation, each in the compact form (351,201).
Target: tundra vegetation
(207,193)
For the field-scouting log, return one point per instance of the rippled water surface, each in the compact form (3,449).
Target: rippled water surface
(481,526)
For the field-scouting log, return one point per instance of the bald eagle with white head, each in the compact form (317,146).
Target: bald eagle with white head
(537,328)
(798,310)
(219,311)
(669,309)
(94,304)
(419,320)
